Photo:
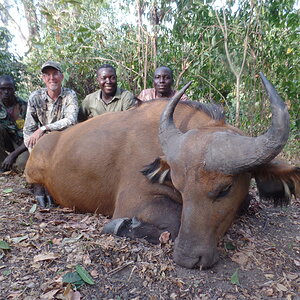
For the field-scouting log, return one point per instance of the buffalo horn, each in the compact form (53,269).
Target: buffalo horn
(169,134)
(232,153)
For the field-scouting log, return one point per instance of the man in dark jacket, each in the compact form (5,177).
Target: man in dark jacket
(12,115)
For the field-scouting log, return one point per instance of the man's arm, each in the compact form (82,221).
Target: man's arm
(70,113)
(31,124)
(12,157)
(128,100)
(84,111)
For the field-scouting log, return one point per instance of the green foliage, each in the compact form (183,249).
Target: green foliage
(4,245)
(78,278)
(74,279)
(9,63)
(85,276)
(185,35)
(235,278)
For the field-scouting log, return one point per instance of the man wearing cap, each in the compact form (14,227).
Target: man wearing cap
(162,82)
(109,98)
(12,115)
(49,109)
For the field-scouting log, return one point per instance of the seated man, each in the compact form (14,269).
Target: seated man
(49,109)
(12,115)
(109,98)
(162,82)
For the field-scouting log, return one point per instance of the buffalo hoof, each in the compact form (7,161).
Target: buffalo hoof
(41,200)
(115,226)
(45,201)
(50,202)
(133,228)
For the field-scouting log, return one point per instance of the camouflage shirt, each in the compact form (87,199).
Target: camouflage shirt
(42,111)
(12,118)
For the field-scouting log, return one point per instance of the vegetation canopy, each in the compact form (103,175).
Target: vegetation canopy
(220,49)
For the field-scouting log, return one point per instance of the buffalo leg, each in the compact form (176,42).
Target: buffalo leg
(42,196)
(147,220)
(133,228)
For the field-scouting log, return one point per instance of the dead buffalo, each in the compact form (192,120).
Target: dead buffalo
(189,176)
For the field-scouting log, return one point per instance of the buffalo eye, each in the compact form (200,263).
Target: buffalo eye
(224,191)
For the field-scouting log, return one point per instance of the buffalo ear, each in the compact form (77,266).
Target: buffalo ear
(158,171)
(277,181)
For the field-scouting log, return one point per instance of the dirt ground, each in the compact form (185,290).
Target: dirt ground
(259,256)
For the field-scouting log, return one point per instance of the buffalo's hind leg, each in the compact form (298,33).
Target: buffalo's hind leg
(42,196)
(147,221)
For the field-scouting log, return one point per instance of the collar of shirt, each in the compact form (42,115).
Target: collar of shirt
(116,97)
(47,98)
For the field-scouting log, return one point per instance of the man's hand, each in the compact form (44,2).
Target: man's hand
(8,162)
(35,137)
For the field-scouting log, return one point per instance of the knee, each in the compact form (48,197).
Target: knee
(21,161)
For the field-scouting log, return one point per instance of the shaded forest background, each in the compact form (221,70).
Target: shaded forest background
(221,49)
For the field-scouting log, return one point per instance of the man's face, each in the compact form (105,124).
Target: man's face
(52,79)
(107,79)
(7,90)
(163,81)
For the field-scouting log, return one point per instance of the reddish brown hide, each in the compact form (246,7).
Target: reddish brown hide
(96,167)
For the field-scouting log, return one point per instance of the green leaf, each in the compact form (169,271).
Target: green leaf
(4,245)
(71,277)
(235,278)
(229,246)
(84,275)
(8,190)
(6,272)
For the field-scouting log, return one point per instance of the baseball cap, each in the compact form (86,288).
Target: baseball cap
(51,64)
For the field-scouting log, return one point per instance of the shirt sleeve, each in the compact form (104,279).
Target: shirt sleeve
(184,97)
(84,110)
(141,96)
(128,100)
(147,94)
(70,113)
(31,122)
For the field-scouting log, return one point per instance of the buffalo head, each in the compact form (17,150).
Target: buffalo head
(211,168)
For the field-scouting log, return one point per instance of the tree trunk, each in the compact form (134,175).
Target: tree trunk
(32,21)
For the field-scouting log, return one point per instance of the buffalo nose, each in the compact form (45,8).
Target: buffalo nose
(195,256)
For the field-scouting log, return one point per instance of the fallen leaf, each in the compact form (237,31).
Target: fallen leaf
(281,287)
(7,191)
(164,237)
(229,246)
(292,276)
(269,292)
(84,275)
(94,273)
(72,240)
(71,277)
(297,262)
(49,295)
(73,295)
(4,245)
(42,257)
(33,209)
(240,258)
(235,278)
(86,259)
(19,239)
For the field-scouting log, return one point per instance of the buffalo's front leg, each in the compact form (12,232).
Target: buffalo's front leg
(147,220)
(133,228)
